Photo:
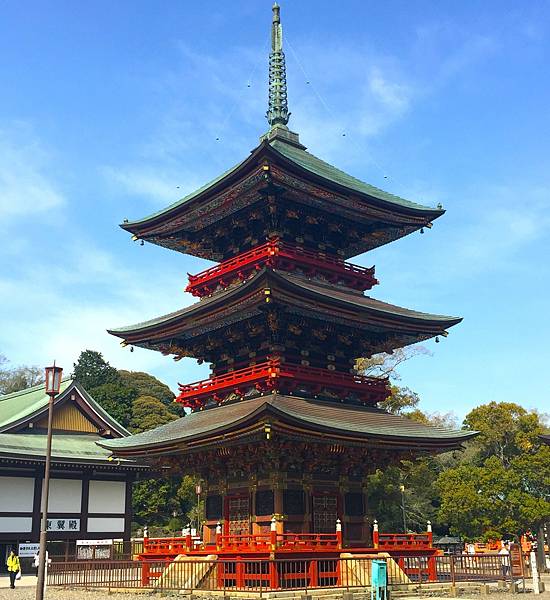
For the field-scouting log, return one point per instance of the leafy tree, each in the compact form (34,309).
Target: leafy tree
(147,385)
(116,399)
(400,399)
(92,370)
(505,430)
(18,378)
(155,502)
(149,412)
(386,364)
(505,488)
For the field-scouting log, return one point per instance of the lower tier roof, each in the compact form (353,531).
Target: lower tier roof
(330,420)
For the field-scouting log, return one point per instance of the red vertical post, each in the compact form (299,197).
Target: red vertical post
(239,573)
(273,534)
(313,573)
(432,568)
(219,540)
(145,574)
(375,538)
(273,575)
(339,533)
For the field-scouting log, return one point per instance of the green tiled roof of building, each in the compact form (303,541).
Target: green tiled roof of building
(17,407)
(65,446)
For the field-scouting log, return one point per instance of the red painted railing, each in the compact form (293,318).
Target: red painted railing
(265,375)
(276,253)
(404,541)
(250,543)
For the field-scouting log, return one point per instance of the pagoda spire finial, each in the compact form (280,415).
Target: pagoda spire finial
(277,113)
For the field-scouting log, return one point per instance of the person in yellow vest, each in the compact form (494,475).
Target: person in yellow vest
(14,567)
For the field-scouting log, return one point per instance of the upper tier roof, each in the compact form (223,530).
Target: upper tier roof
(332,192)
(330,420)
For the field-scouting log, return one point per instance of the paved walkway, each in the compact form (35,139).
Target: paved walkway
(25,581)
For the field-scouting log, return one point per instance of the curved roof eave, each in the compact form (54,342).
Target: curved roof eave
(275,406)
(305,163)
(363,302)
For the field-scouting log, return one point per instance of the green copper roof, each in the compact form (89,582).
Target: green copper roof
(323,291)
(323,169)
(304,160)
(64,446)
(15,407)
(19,406)
(372,423)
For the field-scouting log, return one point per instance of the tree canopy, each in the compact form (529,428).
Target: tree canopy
(18,378)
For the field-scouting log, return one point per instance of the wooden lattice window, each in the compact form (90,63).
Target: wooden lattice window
(239,516)
(325,513)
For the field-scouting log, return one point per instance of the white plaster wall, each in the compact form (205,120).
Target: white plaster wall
(107,497)
(16,494)
(106,524)
(65,496)
(15,524)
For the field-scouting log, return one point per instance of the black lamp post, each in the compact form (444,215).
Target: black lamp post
(53,384)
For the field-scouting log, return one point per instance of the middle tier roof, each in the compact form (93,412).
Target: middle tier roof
(361,325)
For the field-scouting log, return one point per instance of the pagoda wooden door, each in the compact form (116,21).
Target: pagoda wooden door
(238,515)
(325,513)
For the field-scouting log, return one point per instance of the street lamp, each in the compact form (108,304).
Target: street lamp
(53,384)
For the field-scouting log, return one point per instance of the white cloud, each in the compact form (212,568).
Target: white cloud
(25,187)
(161,187)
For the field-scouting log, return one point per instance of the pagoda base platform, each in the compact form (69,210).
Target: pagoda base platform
(316,559)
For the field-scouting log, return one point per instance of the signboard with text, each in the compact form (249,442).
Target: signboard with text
(63,525)
(28,550)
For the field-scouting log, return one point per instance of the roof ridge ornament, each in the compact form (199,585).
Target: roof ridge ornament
(277,113)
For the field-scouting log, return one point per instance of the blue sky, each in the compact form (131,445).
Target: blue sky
(112,110)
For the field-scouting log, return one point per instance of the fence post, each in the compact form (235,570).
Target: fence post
(375,537)
(452,557)
(273,533)
(218,536)
(432,568)
(313,573)
(339,533)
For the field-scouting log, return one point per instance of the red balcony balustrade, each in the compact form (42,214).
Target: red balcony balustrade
(285,377)
(278,254)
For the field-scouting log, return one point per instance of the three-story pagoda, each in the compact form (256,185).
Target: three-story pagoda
(285,432)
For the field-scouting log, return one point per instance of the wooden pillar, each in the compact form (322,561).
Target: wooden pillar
(37,499)
(128,509)
(84,507)
(307,525)
(252,508)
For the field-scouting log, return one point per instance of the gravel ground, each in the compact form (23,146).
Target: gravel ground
(28,593)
